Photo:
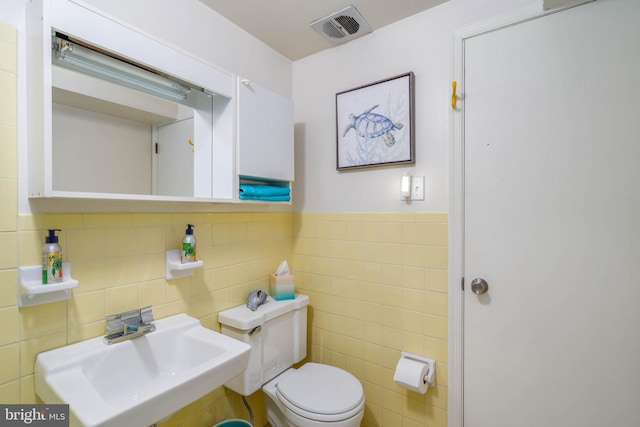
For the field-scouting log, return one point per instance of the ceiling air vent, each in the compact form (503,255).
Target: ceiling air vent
(341,26)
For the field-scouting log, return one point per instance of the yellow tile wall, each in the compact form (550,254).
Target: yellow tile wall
(10,370)
(377,284)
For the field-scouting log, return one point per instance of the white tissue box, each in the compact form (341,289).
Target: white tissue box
(282,287)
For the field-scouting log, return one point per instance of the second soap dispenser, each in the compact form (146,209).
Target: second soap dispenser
(51,259)
(188,252)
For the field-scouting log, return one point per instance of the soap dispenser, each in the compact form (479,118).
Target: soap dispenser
(188,253)
(51,259)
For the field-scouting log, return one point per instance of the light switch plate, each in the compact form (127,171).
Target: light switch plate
(417,188)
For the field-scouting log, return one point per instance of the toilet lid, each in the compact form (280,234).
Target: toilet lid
(321,389)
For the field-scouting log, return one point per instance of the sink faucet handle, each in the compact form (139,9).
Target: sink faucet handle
(146,315)
(113,324)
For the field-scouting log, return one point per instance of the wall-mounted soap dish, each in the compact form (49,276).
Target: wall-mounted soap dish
(31,290)
(176,269)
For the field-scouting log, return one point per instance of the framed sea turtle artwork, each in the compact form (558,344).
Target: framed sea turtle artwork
(375,124)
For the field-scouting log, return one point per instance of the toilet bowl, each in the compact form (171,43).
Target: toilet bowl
(314,395)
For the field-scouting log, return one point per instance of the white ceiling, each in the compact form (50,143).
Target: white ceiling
(284,24)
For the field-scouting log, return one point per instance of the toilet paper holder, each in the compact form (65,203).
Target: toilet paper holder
(430,377)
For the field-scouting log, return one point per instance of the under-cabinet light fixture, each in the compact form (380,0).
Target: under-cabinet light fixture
(74,56)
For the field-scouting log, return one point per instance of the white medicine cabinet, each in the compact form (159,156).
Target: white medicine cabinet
(115,114)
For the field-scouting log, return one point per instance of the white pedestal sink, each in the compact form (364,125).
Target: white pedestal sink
(140,381)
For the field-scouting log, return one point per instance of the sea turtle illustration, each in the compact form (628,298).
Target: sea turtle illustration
(372,125)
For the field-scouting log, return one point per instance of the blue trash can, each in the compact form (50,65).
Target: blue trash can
(233,423)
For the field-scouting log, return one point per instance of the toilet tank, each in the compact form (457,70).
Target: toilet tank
(277,334)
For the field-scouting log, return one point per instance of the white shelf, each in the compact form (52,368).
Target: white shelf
(176,269)
(31,290)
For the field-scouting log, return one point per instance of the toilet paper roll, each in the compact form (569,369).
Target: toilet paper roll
(410,374)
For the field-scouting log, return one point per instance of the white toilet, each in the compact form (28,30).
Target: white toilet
(312,395)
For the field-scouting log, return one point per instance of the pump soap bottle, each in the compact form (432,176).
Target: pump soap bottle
(51,259)
(188,253)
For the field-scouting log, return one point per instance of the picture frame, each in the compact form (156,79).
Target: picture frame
(375,124)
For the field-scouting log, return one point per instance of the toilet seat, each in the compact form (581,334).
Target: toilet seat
(321,392)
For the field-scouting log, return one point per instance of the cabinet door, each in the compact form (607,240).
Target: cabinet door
(265,133)
(175,159)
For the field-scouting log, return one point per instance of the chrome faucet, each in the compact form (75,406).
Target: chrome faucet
(128,325)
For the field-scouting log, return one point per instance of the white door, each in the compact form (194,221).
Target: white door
(175,158)
(552,220)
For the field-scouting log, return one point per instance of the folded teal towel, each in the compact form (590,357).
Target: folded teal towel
(261,190)
(283,198)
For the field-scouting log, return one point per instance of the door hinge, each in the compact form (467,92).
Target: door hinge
(156,148)
(462,283)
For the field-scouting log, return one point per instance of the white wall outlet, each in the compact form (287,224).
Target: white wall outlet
(417,188)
